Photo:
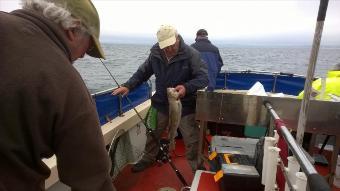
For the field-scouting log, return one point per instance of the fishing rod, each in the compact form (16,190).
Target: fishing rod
(310,72)
(127,98)
(162,146)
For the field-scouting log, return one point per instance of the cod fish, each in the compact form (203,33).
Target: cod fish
(175,113)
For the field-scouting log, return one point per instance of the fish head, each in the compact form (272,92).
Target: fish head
(172,93)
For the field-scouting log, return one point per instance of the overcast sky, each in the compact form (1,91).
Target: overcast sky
(255,21)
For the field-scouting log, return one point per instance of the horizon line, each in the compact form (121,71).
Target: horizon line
(239,41)
(226,44)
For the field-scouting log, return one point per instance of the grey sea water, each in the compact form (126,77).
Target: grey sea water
(123,60)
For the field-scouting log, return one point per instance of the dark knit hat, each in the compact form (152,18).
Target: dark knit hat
(202,32)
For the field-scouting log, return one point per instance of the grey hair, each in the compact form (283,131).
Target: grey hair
(55,13)
(336,67)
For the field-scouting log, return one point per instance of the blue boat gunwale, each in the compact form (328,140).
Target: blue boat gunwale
(109,106)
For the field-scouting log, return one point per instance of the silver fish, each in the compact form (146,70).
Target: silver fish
(175,113)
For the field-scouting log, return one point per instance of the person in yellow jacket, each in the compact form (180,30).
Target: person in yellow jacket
(326,89)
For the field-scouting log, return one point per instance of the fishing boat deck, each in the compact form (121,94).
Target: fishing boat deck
(156,177)
(163,176)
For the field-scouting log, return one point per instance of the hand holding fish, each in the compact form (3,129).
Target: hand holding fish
(181,90)
(121,91)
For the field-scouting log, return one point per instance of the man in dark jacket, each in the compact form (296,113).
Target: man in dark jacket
(45,107)
(177,65)
(210,54)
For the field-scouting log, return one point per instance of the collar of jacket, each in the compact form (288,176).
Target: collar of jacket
(181,55)
(202,39)
(51,29)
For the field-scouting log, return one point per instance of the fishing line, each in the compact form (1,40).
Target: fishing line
(109,73)
(127,98)
(110,151)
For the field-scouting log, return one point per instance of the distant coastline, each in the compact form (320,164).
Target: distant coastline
(274,41)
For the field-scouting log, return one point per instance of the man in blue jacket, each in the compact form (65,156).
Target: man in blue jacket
(210,54)
(177,65)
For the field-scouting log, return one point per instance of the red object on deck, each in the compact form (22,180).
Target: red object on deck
(207,183)
(280,179)
(282,144)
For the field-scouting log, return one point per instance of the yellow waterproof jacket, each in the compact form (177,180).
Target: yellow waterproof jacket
(332,86)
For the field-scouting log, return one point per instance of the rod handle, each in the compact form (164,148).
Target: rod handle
(322,10)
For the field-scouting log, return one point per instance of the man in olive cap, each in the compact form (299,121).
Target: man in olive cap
(177,65)
(46,108)
(210,54)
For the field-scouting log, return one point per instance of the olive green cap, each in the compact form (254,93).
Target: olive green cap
(87,13)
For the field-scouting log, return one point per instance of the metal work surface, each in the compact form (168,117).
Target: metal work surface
(234,107)
(237,169)
(234,145)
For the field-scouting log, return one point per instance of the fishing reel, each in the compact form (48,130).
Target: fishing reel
(163,152)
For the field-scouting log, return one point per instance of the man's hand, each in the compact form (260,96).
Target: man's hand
(121,91)
(181,90)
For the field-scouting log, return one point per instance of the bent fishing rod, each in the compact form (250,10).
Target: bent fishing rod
(310,72)
(149,131)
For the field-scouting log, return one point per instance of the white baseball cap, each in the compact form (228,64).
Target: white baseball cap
(166,36)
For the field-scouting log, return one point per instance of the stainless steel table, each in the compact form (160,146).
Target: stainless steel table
(235,107)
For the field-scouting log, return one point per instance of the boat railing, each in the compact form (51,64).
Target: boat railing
(314,180)
(262,72)
(109,106)
(109,90)
(275,82)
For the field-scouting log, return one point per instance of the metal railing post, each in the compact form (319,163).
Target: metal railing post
(315,181)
